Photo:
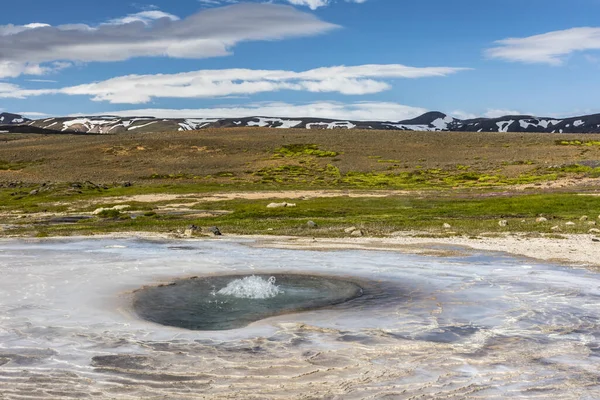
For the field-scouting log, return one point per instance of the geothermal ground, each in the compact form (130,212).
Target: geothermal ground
(472,325)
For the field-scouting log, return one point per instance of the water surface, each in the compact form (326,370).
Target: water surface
(486,326)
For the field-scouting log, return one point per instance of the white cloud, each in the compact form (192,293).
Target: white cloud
(463,114)
(213,32)
(489,113)
(496,113)
(312,4)
(361,111)
(548,48)
(136,89)
(33,114)
(146,17)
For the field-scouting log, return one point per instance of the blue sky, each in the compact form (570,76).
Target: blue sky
(375,59)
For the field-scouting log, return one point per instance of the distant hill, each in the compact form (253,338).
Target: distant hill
(431,121)
(12,119)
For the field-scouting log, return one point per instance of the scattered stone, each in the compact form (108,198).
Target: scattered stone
(556,229)
(350,230)
(447,226)
(126,184)
(591,223)
(594,230)
(357,233)
(541,219)
(215,231)
(34,192)
(570,223)
(595,240)
(270,229)
(281,205)
(503,222)
(584,218)
(121,207)
(311,224)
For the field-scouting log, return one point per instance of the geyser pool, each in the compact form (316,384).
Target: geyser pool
(234,301)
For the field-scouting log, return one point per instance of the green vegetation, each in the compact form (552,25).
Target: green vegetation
(375,216)
(442,178)
(13,166)
(297,150)
(588,143)
(112,214)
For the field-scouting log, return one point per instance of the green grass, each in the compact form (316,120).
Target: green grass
(376,216)
(13,166)
(588,143)
(297,150)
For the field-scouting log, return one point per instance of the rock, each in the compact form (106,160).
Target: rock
(556,229)
(194,228)
(270,229)
(584,218)
(357,233)
(117,208)
(447,226)
(594,230)
(503,222)
(281,205)
(215,231)
(570,223)
(541,219)
(591,223)
(277,205)
(126,184)
(311,224)
(595,240)
(188,233)
(350,230)
(34,192)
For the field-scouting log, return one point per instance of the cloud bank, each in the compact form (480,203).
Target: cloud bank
(548,48)
(31,49)
(137,89)
(360,111)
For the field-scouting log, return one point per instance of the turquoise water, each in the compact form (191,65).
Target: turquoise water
(204,303)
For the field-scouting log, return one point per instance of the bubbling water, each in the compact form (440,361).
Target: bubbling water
(252,287)
(196,304)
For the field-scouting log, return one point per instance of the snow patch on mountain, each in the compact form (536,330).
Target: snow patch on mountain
(197,123)
(274,122)
(331,125)
(503,125)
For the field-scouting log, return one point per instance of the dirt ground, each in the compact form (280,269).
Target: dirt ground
(236,153)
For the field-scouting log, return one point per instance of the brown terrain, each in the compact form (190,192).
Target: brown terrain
(237,153)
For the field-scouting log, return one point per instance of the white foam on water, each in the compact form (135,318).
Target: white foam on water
(251,287)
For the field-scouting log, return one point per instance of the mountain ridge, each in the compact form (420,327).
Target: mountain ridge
(431,121)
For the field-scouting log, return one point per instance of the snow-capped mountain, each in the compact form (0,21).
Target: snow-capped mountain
(431,121)
(11,119)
